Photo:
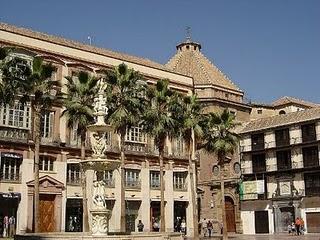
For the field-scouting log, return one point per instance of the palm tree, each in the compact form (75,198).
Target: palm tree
(160,123)
(32,84)
(191,131)
(220,138)
(125,102)
(78,103)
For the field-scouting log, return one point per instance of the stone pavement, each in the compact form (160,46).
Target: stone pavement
(264,237)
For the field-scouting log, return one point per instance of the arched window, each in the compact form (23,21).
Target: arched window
(282,112)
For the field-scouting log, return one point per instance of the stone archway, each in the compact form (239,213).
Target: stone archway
(230,214)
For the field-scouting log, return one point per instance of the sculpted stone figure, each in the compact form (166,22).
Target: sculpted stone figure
(99,143)
(99,194)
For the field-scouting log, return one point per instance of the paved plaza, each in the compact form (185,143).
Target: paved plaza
(266,237)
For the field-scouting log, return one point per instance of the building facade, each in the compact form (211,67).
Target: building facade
(281,172)
(216,92)
(60,190)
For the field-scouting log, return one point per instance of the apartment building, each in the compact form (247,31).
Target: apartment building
(60,190)
(281,172)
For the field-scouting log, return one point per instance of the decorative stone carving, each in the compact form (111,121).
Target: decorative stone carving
(98,197)
(100,220)
(98,144)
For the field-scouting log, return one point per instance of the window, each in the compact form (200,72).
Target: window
(282,137)
(257,141)
(47,119)
(134,134)
(106,176)
(258,163)
(46,163)
(282,112)
(154,179)
(310,156)
(312,183)
(73,174)
(259,111)
(10,166)
(17,115)
(283,160)
(308,132)
(178,146)
(180,181)
(132,178)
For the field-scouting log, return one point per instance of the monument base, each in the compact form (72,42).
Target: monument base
(100,220)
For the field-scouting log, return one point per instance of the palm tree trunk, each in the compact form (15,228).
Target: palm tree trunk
(37,139)
(162,214)
(193,192)
(122,190)
(223,207)
(85,217)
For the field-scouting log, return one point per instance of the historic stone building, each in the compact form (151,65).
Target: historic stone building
(281,168)
(217,92)
(60,190)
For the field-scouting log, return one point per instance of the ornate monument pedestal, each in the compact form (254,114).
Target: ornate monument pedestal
(100,220)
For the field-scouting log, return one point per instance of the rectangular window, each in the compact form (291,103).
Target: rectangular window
(154,180)
(106,176)
(10,167)
(17,115)
(282,137)
(180,181)
(283,160)
(132,178)
(135,134)
(257,141)
(47,120)
(73,174)
(312,184)
(46,163)
(308,132)
(258,163)
(310,156)
(259,111)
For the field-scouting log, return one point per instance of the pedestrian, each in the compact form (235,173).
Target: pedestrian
(301,226)
(298,225)
(5,226)
(293,228)
(156,226)
(204,227)
(12,224)
(183,226)
(140,226)
(210,227)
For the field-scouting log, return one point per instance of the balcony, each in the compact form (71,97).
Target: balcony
(132,184)
(180,187)
(110,183)
(14,134)
(135,147)
(74,181)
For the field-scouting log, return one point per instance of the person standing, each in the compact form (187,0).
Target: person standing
(12,226)
(183,226)
(140,226)
(204,227)
(298,225)
(5,226)
(301,226)
(210,227)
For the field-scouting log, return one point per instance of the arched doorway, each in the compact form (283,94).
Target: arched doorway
(230,214)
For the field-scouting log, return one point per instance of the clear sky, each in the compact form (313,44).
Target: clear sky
(269,48)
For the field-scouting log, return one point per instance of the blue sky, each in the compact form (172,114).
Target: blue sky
(269,48)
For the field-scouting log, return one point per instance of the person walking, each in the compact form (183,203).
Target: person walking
(204,227)
(140,226)
(210,227)
(298,225)
(301,226)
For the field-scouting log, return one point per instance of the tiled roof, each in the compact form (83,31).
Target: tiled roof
(81,46)
(193,63)
(287,100)
(282,120)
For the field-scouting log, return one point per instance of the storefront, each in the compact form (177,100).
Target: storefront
(74,215)
(8,207)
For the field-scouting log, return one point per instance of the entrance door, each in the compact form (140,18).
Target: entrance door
(313,220)
(46,209)
(74,215)
(230,214)
(286,218)
(261,221)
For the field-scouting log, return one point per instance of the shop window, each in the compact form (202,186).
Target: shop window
(10,167)
(180,181)
(46,163)
(73,174)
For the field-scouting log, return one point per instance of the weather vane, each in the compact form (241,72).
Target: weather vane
(188,30)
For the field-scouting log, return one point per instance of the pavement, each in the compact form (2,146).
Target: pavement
(264,237)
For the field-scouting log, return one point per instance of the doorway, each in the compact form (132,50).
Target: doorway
(230,214)
(46,210)
(286,217)
(179,214)
(261,221)
(132,210)
(74,215)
